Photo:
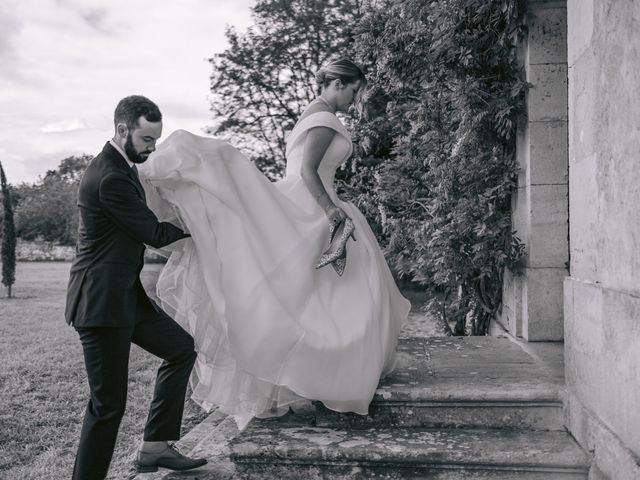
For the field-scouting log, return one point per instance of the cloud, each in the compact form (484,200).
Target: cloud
(10,27)
(65,126)
(96,17)
(71,61)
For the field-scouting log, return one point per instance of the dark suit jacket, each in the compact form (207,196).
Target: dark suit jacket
(115,223)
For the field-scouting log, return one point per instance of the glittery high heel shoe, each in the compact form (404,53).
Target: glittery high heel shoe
(336,254)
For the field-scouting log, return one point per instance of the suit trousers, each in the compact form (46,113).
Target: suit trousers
(106,354)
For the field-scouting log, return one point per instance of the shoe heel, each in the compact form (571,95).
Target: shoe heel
(146,469)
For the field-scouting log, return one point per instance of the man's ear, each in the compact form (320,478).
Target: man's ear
(339,84)
(122,130)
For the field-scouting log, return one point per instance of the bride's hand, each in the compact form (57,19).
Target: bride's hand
(335,215)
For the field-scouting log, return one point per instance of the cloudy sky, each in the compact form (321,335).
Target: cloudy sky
(64,64)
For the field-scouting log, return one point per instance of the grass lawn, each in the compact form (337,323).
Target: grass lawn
(43,386)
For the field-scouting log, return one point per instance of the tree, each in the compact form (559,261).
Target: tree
(262,82)
(47,209)
(72,168)
(8,251)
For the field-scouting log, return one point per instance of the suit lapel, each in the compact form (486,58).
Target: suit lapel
(133,173)
(122,164)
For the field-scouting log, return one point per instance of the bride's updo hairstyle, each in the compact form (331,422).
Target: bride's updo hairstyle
(345,70)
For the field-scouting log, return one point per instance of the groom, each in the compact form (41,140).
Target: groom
(109,308)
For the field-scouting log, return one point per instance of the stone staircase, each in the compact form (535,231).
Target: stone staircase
(455,408)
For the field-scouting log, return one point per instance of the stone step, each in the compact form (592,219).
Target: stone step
(269,449)
(455,408)
(274,449)
(470,382)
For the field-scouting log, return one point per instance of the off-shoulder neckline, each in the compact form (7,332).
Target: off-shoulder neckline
(299,128)
(333,116)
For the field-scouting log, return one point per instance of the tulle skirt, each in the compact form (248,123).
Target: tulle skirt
(270,330)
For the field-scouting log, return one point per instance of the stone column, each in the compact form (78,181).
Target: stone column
(533,300)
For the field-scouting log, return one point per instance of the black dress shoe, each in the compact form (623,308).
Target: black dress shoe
(169,458)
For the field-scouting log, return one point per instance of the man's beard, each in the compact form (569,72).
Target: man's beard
(131,152)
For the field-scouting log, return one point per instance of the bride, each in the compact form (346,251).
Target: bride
(271,326)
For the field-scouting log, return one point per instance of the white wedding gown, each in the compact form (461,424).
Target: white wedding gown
(270,329)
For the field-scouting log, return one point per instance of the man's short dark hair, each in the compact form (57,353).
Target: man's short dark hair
(131,108)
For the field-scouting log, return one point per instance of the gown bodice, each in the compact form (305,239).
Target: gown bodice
(338,151)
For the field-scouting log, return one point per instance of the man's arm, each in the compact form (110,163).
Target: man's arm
(119,196)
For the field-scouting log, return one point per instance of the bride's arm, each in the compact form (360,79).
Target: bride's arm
(315,146)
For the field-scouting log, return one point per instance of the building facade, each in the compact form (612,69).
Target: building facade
(578,210)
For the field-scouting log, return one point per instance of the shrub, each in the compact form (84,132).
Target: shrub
(441,133)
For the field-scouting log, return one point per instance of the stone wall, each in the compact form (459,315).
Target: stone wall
(50,252)
(532,301)
(602,295)
(43,252)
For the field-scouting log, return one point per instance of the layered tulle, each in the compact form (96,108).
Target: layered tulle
(270,330)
